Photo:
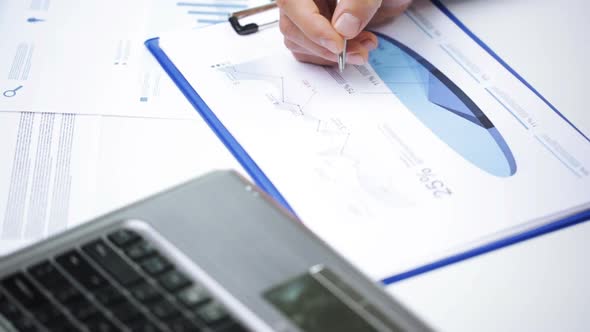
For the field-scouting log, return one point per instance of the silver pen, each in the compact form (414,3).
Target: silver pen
(342,55)
(342,58)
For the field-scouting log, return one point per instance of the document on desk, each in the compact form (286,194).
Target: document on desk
(431,149)
(58,168)
(67,56)
(48,174)
(143,156)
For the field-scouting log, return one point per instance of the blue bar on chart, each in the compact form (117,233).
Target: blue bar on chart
(212,4)
(210,21)
(211,11)
(202,12)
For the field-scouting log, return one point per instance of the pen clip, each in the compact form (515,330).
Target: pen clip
(250,28)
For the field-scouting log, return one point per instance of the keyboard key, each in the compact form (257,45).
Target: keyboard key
(164,309)
(143,326)
(79,268)
(99,323)
(145,292)
(108,295)
(174,281)
(114,264)
(211,313)
(25,324)
(123,238)
(140,250)
(48,314)
(64,326)
(192,296)
(181,325)
(155,265)
(50,278)
(24,291)
(66,294)
(47,274)
(8,308)
(126,312)
(82,309)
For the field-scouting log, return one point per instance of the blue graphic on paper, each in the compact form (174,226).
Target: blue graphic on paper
(442,107)
(11,92)
(35,20)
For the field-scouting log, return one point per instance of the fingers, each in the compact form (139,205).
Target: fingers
(359,48)
(366,40)
(357,51)
(390,9)
(396,4)
(308,58)
(295,40)
(352,16)
(310,35)
(305,17)
(326,7)
(358,57)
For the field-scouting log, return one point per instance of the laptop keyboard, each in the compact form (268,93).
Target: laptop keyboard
(116,283)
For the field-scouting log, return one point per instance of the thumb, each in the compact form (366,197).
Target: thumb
(352,16)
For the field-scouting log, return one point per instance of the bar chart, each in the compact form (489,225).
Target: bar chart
(212,11)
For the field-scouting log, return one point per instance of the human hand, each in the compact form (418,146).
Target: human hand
(314,31)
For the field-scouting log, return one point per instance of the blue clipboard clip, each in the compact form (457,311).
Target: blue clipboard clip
(242,30)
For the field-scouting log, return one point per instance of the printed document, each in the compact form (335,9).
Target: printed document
(67,56)
(430,149)
(47,174)
(59,169)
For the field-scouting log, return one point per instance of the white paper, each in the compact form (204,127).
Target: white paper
(67,56)
(60,169)
(382,161)
(140,157)
(48,174)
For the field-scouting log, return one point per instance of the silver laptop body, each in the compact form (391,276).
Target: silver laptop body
(213,254)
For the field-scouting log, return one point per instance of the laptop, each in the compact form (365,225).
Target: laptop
(213,254)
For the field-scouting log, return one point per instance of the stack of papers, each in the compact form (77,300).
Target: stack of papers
(89,121)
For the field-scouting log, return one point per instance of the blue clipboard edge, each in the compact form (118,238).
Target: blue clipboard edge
(492,246)
(218,128)
(263,182)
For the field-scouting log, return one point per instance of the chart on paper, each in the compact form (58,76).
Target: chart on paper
(212,12)
(442,106)
(50,152)
(409,153)
(107,64)
(341,156)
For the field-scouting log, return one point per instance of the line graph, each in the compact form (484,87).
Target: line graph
(339,156)
(290,95)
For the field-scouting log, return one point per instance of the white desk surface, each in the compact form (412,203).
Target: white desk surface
(541,284)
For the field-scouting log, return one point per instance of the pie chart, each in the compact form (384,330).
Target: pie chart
(442,107)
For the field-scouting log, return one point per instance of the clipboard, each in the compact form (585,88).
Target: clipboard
(266,184)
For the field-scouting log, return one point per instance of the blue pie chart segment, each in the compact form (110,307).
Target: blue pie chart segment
(442,107)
